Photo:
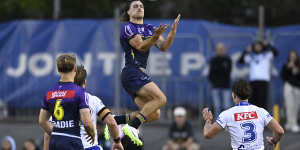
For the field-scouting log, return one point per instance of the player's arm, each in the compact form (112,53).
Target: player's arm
(85,117)
(44,121)
(210,129)
(164,44)
(277,130)
(46,141)
(107,117)
(144,45)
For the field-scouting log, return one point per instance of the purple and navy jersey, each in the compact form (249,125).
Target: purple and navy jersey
(63,102)
(133,56)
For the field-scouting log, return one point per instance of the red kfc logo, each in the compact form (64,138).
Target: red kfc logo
(245,116)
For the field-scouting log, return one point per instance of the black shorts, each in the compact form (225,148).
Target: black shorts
(133,79)
(58,142)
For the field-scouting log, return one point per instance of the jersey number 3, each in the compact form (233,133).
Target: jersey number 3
(58,110)
(249,128)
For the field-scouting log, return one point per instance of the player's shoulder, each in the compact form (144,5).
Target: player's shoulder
(127,26)
(226,114)
(259,110)
(256,107)
(128,30)
(93,98)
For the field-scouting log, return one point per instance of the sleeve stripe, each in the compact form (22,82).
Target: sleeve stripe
(83,107)
(106,115)
(128,31)
(101,111)
(218,122)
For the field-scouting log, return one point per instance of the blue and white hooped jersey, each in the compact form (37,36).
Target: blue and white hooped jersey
(96,106)
(245,123)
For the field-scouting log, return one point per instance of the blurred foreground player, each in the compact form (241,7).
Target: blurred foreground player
(136,39)
(97,109)
(245,122)
(66,103)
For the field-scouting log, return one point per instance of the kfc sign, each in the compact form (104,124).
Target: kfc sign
(245,116)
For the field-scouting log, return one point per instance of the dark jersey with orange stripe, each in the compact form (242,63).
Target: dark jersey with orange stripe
(63,102)
(133,56)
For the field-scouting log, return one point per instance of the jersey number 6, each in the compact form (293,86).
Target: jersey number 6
(58,110)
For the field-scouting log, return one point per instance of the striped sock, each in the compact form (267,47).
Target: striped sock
(138,120)
(122,119)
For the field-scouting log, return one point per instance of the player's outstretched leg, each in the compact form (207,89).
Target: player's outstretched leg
(149,98)
(120,119)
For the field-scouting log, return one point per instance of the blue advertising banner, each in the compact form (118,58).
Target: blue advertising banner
(28,50)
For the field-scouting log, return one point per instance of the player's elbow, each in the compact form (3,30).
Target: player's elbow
(207,135)
(280,131)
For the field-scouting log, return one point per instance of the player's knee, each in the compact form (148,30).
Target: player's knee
(156,115)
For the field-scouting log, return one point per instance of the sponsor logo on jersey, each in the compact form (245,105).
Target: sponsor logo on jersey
(141,30)
(245,116)
(59,94)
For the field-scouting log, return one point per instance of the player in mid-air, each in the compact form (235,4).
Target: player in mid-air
(66,103)
(97,109)
(136,39)
(245,122)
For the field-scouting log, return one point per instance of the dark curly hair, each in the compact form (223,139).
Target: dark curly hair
(124,16)
(242,89)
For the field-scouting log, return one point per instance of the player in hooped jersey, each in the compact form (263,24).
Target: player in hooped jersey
(245,122)
(136,40)
(66,103)
(98,110)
